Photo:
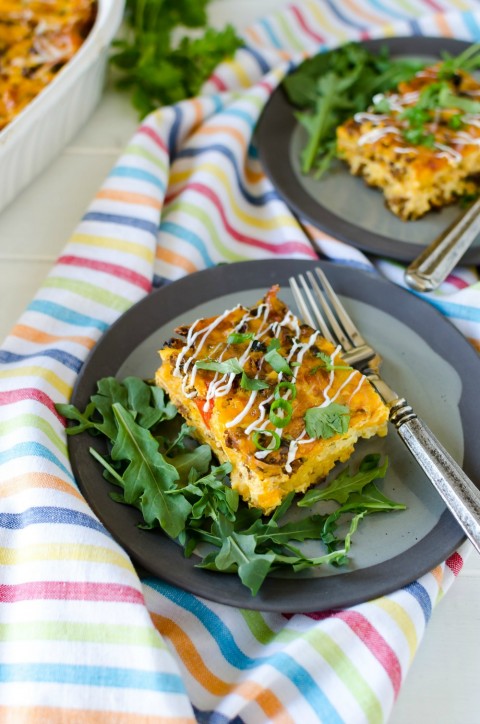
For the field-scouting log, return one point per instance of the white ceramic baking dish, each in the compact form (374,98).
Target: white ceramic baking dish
(41,130)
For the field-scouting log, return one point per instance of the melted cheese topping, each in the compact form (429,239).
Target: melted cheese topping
(37,38)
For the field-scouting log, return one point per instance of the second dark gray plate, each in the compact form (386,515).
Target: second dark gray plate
(342,204)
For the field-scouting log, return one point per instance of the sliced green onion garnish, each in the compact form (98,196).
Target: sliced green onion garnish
(286,407)
(289,386)
(270,447)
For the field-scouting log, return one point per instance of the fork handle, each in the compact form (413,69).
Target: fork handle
(460,495)
(434,264)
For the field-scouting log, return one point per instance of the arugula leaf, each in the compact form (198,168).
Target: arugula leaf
(225,367)
(300,530)
(148,476)
(84,419)
(238,552)
(146,403)
(198,459)
(371,500)
(174,485)
(344,484)
(467,61)
(331,87)
(209,496)
(325,422)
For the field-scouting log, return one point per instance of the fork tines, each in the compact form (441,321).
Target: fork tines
(329,314)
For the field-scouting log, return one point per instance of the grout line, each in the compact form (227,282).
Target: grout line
(92,151)
(42,258)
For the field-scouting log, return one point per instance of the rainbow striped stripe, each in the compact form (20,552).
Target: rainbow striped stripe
(82,638)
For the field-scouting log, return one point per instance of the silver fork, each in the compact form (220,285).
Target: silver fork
(329,315)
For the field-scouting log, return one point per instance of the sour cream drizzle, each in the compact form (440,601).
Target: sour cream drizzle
(300,440)
(397,104)
(221,385)
(192,337)
(375,134)
(465,139)
(374,118)
(449,153)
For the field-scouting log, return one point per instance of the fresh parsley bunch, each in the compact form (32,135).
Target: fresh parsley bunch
(156,466)
(152,66)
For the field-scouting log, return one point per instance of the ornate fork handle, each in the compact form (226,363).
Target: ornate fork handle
(457,490)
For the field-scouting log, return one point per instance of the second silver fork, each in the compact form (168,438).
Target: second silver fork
(329,315)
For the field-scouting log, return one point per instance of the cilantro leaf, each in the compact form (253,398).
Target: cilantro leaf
(328,364)
(325,422)
(238,338)
(277,362)
(253,383)
(225,367)
(156,68)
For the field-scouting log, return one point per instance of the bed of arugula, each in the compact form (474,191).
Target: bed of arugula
(178,486)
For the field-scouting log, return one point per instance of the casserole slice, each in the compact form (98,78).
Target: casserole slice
(269,395)
(420,144)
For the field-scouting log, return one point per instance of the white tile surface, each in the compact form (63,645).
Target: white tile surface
(442,685)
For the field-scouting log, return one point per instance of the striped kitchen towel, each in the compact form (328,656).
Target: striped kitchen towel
(83,639)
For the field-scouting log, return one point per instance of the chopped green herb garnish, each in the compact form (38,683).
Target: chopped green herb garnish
(253,384)
(225,367)
(456,122)
(275,359)
(274,344)
(328,364)
(238,338)
(436,96)
(324,422)
(382,105)
(419,137)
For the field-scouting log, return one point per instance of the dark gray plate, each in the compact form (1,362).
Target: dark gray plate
(426,359)
(342,204)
